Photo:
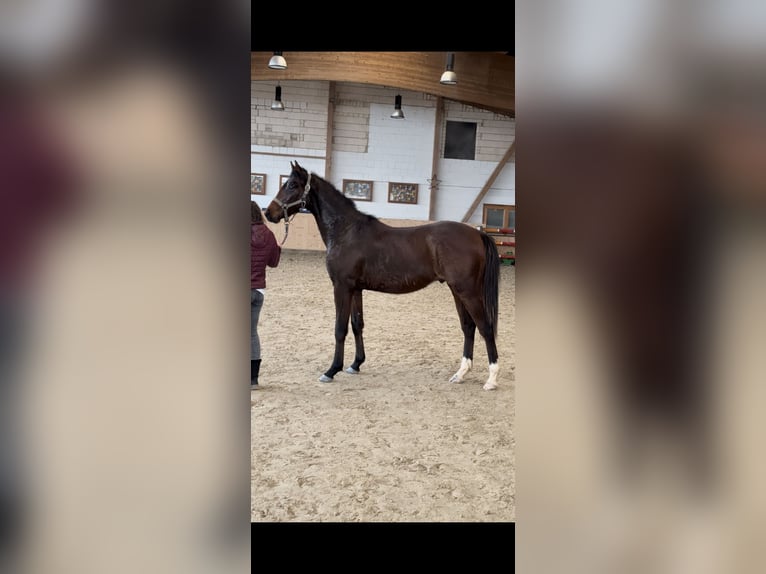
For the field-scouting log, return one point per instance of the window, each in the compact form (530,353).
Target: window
(503,216)
(460,140)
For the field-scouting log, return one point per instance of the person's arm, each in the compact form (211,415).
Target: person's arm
(275,251)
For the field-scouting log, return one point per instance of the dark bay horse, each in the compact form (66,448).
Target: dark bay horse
(364,253)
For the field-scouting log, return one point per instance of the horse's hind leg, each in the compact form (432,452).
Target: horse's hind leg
(357,325)
(491,383)
(476,308)
(469,331)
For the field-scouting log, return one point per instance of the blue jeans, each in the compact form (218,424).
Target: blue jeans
(256,302)
(13,502)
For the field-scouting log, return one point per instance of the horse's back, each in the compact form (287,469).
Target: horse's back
(455,235)
(442,237)
(444,231)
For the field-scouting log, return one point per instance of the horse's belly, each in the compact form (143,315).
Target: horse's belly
(396,283)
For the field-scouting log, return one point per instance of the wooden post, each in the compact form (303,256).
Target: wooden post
(490,181)
(328,144)
(435,156)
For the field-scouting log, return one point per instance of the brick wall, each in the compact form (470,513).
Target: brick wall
(351,126)
(494,132)
(303,123)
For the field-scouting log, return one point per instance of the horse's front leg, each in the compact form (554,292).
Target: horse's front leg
(357,326)
(343,297)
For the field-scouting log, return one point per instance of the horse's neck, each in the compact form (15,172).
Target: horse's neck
(332,214)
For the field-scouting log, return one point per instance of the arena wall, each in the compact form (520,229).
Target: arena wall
(367,144)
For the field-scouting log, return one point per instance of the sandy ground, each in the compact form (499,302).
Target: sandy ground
(397,442)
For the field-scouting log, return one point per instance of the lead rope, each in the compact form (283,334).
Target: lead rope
(287,226)
(285,207)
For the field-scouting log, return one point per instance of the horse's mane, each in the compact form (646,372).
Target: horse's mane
(342,199)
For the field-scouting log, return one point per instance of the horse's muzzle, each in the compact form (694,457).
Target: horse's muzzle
(273,213)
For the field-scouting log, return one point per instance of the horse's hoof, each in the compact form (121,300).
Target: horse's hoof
(455,379)
(352,371)
(325,379)
(490,386)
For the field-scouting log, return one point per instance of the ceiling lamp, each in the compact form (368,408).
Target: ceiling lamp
(278,62)
(449,77)
(277,103)
(398,113)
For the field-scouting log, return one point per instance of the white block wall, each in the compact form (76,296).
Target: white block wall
(368,144)
(399,150)
(459,182)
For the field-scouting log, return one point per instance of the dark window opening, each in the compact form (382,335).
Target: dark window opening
(460,140)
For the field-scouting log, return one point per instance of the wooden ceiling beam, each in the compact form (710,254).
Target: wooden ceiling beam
(485,79)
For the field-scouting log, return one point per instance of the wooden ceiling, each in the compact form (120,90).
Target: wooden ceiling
(485,79)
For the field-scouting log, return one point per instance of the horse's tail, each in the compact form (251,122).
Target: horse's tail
(491,281)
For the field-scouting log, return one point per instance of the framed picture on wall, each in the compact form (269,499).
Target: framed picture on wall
(282,180)
(358,189)
(257,184)
(402,192)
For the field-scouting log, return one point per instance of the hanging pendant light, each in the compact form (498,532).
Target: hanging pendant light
(449,77)
(278,62)
(277,103)
(398,113)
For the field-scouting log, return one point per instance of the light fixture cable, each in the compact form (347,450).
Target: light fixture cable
(449,77)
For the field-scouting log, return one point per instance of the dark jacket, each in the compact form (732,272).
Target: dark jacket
(264,251)
(38,188)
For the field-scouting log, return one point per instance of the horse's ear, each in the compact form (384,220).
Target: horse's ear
(297,167)
(292,165)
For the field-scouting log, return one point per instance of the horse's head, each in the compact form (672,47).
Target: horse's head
(291,197)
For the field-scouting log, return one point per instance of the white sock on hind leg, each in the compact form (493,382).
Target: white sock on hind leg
(491,383)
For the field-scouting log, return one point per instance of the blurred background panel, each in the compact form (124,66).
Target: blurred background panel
(124,216)
(642,187)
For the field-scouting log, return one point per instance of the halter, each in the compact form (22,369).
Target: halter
(286,206)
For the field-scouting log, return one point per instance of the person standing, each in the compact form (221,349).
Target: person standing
(40,188)
(264,251)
